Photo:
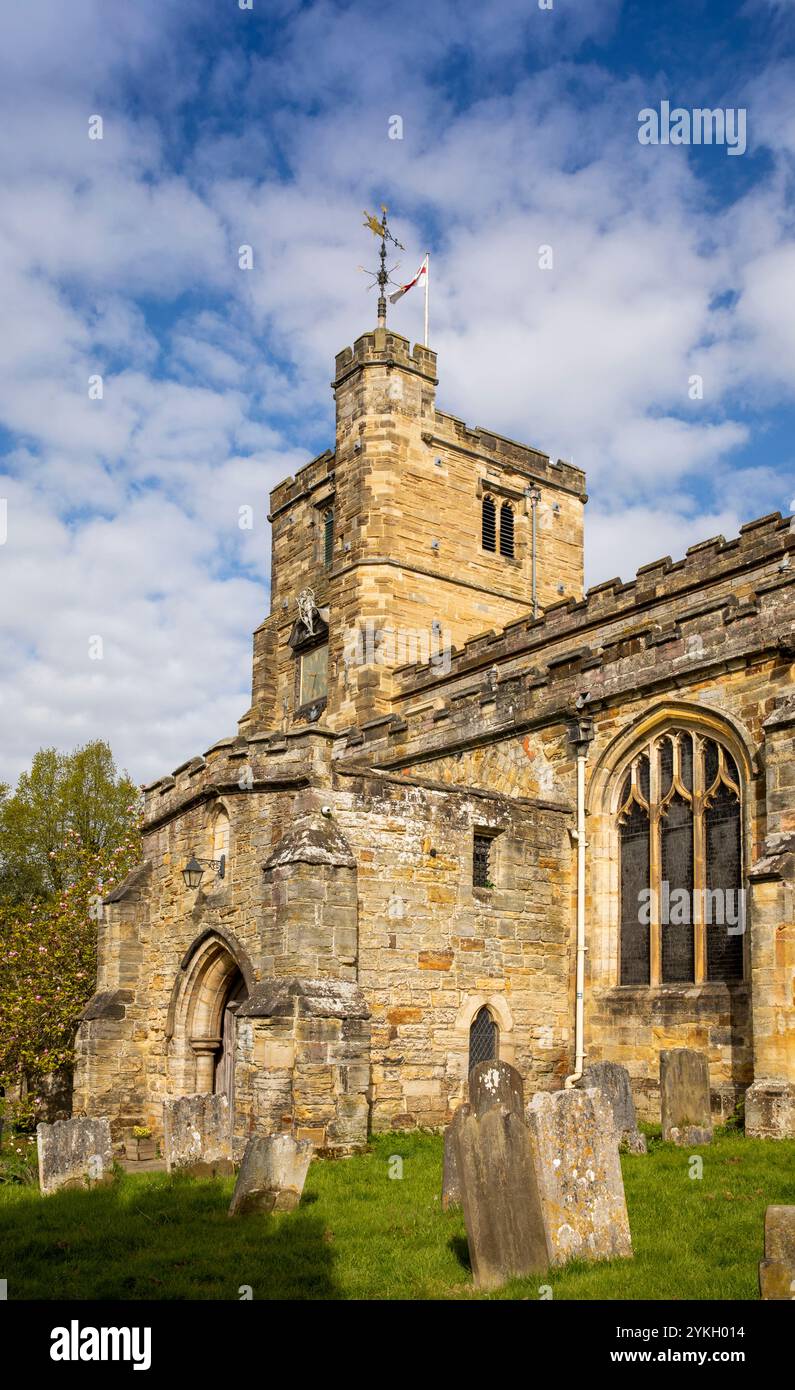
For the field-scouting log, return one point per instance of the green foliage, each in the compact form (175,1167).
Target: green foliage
(360,1235)
(67,799)
(69,834)
(18,1162)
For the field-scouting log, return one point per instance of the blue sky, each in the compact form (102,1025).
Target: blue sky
(269,127)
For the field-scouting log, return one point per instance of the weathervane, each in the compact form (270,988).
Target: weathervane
(382,277)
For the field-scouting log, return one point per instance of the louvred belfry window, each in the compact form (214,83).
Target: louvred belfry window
(682,917)
(328,538)
(489,524)
(506,530)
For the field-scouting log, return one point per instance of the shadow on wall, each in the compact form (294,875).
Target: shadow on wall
(147,1238)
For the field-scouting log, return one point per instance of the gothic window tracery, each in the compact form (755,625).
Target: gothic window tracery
(682,914)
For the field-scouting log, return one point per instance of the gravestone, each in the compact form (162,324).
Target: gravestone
(777,1269)
(74,1153)
(491,1084)
(272,1174)
(684,1096)
(502,1212)
(612,1081)
(578,1174)
(451,1187)
(197,1136)
(496,1084)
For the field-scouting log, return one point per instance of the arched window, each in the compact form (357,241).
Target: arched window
(506,530)
(489,524)
(682,897)
(483,1039)
(328,538)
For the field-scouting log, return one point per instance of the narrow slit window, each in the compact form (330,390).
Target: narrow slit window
(489,524)
(481,861)
(328,539)
(506,530)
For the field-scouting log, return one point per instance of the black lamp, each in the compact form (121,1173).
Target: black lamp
(193,873)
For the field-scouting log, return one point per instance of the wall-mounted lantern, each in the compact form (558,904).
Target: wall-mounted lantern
(193,873)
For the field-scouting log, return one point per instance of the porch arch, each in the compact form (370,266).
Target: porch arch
(214,971)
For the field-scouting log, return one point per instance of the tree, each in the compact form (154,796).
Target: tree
(48,963)
(64,795)
(68,835)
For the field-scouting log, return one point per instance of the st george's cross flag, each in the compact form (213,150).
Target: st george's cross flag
(404,289)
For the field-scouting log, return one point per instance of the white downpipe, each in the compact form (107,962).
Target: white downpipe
(579,1018)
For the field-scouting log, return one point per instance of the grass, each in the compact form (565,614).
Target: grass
(359,1234)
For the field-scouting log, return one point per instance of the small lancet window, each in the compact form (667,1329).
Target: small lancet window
(489,524)
(483,1039)
(506,530)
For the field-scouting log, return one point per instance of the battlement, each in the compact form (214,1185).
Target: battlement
(381,347)
(704,564)
(499,450)
(313,475)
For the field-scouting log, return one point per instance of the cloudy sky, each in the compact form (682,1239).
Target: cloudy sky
(267,123)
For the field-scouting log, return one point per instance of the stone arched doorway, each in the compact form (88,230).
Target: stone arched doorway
(214,980)
(224,1074)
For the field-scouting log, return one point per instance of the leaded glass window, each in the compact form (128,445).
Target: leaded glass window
(481,861)
(483,1039)
(682,915)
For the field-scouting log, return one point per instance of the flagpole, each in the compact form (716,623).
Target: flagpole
(427,278)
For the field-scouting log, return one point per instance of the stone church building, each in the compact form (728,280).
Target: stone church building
(472,810)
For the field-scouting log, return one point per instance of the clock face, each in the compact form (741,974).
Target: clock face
(314,675)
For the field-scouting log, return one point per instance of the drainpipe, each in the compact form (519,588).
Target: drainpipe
(533,495)
(580,734)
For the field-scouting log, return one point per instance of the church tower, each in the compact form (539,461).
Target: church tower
(415,534)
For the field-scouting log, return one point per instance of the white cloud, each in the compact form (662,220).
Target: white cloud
(119,257)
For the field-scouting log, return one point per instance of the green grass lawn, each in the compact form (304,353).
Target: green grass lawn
(360,1234)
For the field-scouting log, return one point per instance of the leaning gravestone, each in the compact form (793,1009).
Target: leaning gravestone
(612,1081)
(684,1096)
(504,1223)
(74,1153)
(451,1187)
(777,1269)
(272,1174)
(197,1135)
(496,1083)
(490,1084)
(578,1174)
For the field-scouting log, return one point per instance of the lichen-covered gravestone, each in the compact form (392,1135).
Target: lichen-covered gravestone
(578,1175)
(451,1187)
(684,1096)
(502,1211)
(493,1084)
(777,1269)
(74,1153)
(272,1174)
(197,1135)
(612,1081)
(490,1084)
